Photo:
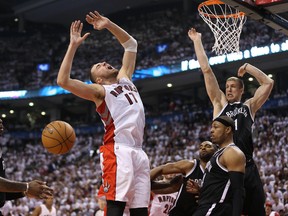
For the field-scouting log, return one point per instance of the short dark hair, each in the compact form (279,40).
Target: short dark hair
(227,121)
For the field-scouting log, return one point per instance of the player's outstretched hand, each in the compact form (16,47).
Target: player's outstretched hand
(194,35)
(242,70)
(39,190)
(98,21)
(75,33)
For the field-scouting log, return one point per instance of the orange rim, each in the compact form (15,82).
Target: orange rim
(217,2)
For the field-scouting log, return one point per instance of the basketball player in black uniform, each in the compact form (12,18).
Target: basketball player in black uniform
(222,191)
(243,114)
(186,203)
(10,190)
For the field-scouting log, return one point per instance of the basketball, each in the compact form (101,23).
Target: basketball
(58,137)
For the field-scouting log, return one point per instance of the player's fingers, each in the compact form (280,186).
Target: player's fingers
(240,72)
(71,27)
(85,35)
(40,182)
(88,17)
(97,13)
(94,15)
(80,27)
(47,194)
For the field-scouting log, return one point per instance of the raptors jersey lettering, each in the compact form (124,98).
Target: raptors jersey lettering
(186,203)
(241,115)
(122,111)
(46,212)
(162,203)
(216,191)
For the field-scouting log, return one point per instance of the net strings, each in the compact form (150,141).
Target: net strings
(226,29)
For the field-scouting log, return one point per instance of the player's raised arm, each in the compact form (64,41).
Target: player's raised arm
(217,97)
(263,91)
(127,41)
(77,87)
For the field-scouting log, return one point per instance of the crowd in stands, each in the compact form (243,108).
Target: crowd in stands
(173,136)
(21,52)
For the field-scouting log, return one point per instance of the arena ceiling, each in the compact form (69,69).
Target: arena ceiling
(65,11)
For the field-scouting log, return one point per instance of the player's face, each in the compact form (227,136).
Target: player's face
(218,132)
(268,209)
(49,201)
(233,91)
(103,71)
(206,150)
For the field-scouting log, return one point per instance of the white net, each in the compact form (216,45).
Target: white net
(225,22)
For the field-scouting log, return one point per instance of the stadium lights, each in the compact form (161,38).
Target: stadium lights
(169,85)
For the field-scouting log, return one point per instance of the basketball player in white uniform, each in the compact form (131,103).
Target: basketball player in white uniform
(162,203)
(125,166)
(46,209)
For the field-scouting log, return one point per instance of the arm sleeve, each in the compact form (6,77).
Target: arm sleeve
(130,45)
(237,186)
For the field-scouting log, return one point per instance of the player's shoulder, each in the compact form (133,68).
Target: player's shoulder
(234,153)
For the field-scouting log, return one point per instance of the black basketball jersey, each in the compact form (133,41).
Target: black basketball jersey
(185,202)
(216,188)
(241,115)
(2,174)
(5,195)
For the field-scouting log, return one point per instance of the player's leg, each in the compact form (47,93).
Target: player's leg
(117,175)
(142,187)
(115,208)
(254,197)
(139,212)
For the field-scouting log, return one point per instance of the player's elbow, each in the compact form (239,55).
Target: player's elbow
(61,82)
(271,83)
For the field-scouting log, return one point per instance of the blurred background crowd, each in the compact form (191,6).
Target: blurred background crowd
(173,136)
(22,51)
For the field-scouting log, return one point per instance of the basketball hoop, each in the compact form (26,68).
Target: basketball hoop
(225,22)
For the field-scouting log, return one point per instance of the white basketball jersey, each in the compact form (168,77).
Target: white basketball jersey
(46,212)
(161,204)
(122,114)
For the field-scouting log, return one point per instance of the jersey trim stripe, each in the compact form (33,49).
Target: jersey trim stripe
(225,192)
(108,123)
(108,187)
(210,210)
